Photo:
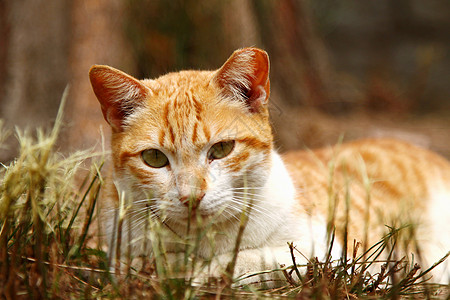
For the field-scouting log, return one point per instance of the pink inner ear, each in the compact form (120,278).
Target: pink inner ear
(257,99)
(118,93)
(246,73)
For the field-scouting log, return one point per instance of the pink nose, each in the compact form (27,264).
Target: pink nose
(193,198)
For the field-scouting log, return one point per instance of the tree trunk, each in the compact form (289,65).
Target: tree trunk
(302,70)
(97,38)
(33,62)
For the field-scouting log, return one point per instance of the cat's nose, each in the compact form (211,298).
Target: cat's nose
(192,198)
(191,188)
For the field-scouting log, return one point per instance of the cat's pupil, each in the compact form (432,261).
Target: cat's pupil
(220,150)
(154,158)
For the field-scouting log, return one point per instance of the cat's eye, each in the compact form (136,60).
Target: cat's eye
(154,158)
(220,150)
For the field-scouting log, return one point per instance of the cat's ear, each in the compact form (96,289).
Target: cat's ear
(118,93)
(245,76)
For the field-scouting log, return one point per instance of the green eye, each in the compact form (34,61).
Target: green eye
(154,158)
(220,150)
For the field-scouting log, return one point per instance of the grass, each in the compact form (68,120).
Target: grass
(50,249)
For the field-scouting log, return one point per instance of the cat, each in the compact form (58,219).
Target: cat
(195,149)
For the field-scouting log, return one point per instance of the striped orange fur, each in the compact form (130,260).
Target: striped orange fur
(212,156)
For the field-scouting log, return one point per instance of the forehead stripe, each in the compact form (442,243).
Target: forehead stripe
(194,133)
(206,132)
(255,143)
(198,108)
(162,135)
(167,124)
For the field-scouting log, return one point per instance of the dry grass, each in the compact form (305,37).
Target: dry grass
(48,250)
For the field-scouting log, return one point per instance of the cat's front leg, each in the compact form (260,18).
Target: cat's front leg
(250,266)
(264,266)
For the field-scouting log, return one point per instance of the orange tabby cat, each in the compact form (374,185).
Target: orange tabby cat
(195,148)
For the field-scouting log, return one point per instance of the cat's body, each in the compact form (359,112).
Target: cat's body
(196,147)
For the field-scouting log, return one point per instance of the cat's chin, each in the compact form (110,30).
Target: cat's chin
(198,220)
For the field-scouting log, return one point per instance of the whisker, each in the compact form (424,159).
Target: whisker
(251,217)
(138,208)
(137,224)
(246,192)
(133,203)
(147,200)
(230,215)
(249,204)
(257,208)
(247,188)
(139,214)
(143,211)
(249,196)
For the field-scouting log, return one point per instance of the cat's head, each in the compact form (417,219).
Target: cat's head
(198,139)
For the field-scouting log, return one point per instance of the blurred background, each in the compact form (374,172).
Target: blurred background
(346,68)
